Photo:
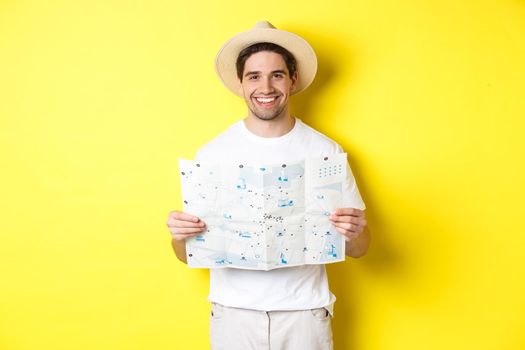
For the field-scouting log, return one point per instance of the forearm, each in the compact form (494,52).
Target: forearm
(358,246)
(179,247)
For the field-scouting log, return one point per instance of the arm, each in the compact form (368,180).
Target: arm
(179,247)
(181,226)
(351,223)
(358,246)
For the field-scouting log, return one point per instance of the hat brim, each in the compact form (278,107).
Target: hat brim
(225,61)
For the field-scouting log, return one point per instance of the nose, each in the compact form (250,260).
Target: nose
(266,85)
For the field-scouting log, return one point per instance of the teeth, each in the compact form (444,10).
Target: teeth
(265,100)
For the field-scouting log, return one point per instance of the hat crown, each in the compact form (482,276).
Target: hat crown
(263,25)
(265,32)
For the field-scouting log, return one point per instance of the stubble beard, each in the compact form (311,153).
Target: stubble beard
(265,115)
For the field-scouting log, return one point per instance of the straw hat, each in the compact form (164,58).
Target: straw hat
(265,32)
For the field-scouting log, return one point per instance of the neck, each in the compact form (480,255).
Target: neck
(270,128)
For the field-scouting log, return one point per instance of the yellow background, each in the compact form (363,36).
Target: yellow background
(99,98)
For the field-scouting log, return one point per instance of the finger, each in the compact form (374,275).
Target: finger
(350,227)
(346,218)
(188,230)
(348,235)
(183,236)
(345,226)
(179,215)
(349,211)
(180,223)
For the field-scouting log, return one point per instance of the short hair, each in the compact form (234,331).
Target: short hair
(290,61)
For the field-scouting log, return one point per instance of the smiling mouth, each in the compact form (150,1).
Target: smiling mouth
(266,101)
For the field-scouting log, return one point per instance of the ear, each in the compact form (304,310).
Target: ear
(294,79)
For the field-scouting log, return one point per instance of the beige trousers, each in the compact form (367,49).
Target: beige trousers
(244,329)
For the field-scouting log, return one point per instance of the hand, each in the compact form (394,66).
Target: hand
(350,222)
(183,225)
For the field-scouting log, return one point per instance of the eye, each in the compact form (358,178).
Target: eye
(253,77)
(278,75)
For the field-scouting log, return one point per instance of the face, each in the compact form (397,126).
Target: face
(266,85)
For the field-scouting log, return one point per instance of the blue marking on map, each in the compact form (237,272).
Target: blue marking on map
(199,238)
(250,176)
(282,259)
(227,216)
(222,261)
(283,178)
(331,251)
(284,203)
(333,246)
(245,234)
(241,184)
(292,173)
(235,259)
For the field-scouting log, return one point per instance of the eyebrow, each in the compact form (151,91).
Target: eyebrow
(258,72)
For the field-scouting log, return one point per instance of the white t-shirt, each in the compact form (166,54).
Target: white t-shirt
(290,288)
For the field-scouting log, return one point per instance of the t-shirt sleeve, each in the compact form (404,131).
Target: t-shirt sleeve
(351,196)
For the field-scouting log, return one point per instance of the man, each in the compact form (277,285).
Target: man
(286,308)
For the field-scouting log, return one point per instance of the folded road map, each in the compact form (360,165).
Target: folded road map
(266,216)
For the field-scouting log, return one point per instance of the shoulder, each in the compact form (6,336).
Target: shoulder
(318,141)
